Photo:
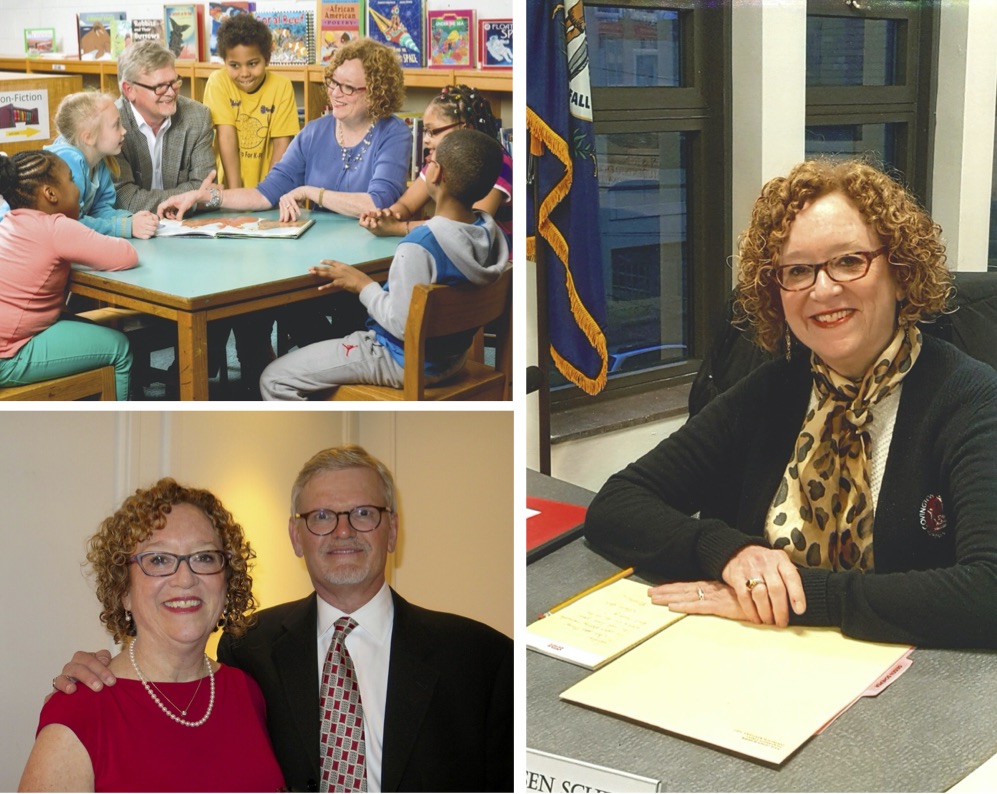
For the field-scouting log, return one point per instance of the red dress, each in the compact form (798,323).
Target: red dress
(134,746)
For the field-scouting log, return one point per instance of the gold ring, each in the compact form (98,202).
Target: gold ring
(751,584)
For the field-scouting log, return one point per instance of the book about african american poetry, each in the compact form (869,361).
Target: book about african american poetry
(338,22)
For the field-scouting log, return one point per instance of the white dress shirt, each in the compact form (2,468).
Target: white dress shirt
(369,645)
(154,141)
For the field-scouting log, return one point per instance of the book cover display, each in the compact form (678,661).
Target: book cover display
(293,32)
(338,22)
(102,34)
(399,24)
(38,40)
(218,13)
(494,43)
(183,26)
(450,40)
(148,29)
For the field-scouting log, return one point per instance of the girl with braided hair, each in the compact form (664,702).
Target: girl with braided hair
(40,237)
(456,107)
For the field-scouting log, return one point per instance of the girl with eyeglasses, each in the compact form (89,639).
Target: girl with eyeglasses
(456,107)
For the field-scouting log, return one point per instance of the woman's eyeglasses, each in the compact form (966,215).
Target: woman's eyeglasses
(347,89)
(842,269)
(161,563)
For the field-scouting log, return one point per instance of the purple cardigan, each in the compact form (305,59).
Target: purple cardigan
(315,158)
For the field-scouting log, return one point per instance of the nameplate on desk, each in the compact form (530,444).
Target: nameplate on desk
(550,773)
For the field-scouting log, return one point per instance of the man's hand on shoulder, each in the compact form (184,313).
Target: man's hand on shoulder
(89,669)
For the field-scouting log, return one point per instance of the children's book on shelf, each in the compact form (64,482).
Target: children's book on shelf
(494,43)
(399,24)
(241,226)
(38,41)
(218,13)
(148,29)
(183,26)
(450,41)
(338,22)
(293,29)
(102,34)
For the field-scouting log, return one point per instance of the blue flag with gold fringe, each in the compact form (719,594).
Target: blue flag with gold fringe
(564,214)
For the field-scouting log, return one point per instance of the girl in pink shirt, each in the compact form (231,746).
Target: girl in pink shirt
(39,239)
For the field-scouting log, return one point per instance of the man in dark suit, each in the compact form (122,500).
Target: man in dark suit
(436,688)
(168,142)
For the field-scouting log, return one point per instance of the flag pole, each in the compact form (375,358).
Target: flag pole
(543,337)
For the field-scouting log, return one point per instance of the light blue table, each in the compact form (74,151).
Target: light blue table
(193,281)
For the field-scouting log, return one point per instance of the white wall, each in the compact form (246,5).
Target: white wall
(64,471)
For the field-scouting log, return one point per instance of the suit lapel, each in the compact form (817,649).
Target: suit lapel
(294,657)
(411,681)
(138,148)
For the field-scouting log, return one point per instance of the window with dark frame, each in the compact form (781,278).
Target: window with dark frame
(869,73)
(657,95)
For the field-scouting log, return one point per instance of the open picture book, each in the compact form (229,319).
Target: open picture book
(241,226)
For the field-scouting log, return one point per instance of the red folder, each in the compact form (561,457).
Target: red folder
(553,526)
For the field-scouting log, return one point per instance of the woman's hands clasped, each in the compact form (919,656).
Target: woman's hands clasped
(759,585)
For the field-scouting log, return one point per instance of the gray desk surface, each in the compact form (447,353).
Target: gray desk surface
(928,730)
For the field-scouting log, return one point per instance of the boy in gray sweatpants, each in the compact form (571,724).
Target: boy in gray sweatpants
(458,245)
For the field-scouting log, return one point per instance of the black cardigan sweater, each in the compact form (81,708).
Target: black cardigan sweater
(935,581)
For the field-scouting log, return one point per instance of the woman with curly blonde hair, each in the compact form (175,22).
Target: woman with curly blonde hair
(171,567)
(351,160)
(852,481)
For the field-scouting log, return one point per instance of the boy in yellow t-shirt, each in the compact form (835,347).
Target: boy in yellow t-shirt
(253,110)
(255,117)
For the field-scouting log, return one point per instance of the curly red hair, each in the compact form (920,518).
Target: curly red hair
(139,516)
(916,253)
(382,71)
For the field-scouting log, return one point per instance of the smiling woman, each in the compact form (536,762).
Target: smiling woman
(171,566)
(852,483)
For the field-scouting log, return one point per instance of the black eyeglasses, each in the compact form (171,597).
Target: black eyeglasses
(432,132)
(347,89)
(842,269)
(324,520)
(161,563)
(162,88)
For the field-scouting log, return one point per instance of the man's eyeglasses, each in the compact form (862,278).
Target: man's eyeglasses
(162,88)
(324,521)
(161,563)
(431,132)
(346,88)
(842,269)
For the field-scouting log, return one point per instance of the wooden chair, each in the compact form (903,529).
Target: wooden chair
(435,311)
(94,382)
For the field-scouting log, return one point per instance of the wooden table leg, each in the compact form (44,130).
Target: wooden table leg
(192,355)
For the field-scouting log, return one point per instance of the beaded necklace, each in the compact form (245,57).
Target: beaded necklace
(351,159)
(158,702)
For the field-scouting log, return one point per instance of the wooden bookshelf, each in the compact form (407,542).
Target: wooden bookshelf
(308,80)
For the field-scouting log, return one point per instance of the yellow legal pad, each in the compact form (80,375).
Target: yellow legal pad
(758,691)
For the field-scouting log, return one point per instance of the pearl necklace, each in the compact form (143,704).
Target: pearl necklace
(158,702)
(349,159)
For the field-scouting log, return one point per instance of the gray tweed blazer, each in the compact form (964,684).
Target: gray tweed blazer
(188,156)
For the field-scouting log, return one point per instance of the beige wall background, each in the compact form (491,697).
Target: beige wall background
(64,471)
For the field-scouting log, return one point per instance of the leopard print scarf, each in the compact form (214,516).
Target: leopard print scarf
(822,513)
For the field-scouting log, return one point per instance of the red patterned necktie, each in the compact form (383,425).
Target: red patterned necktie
(344,754)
